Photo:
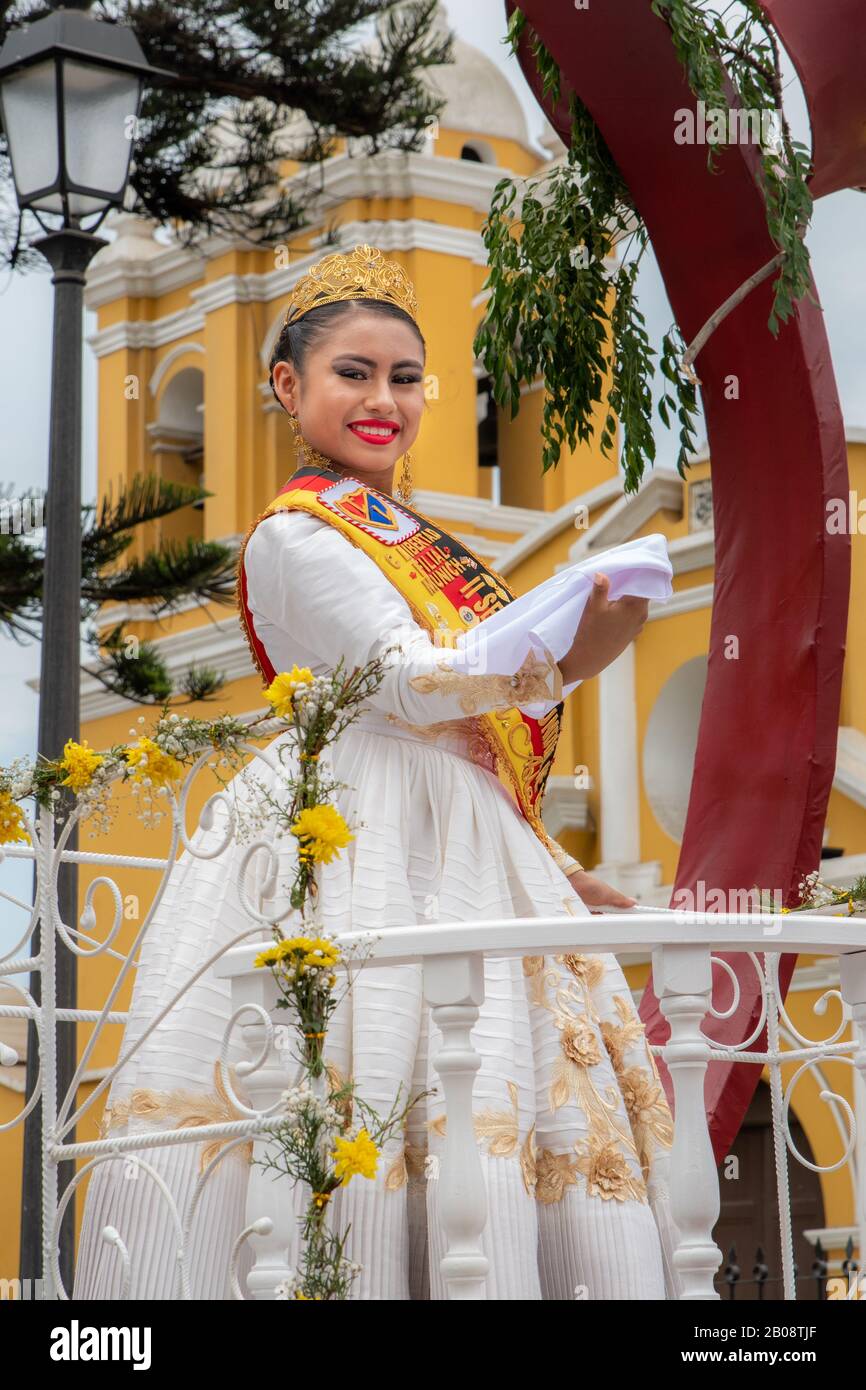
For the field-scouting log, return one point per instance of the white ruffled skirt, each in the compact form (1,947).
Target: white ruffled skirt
(571,1120)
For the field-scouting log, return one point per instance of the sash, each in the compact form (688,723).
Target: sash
(447,588)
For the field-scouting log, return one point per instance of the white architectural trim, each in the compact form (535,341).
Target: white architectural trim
(219,643)
(682,601)
(566,807)
(477,511)
(663,489)
(171,357)
(393,174)
(550,524)
(408,235)
(618,761)
(850,776)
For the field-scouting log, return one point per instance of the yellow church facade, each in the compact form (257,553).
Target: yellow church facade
(183,342)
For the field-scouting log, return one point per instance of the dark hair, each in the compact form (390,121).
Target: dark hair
(296,339)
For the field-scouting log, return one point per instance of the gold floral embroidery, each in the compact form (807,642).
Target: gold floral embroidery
(183,1110)
(648,1113)
(555,1173)
(562,858)
(527,685)
(618,1039)
(606,1171)
(588,969)
(574,1013)
(502,1130)
(409,1163)
(579,1044)
(529,1161)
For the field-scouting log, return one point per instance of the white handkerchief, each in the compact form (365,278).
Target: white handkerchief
(549,615)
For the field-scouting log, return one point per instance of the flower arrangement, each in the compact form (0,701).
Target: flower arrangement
(815,895)
(317,1142)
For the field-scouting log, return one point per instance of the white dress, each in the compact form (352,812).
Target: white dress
(573,1127)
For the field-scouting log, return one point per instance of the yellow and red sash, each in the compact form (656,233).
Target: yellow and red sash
(446,586)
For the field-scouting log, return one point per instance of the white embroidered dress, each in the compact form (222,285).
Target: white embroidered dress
(572,1123)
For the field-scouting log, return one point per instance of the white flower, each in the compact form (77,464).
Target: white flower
(287,1287)
(431,1166)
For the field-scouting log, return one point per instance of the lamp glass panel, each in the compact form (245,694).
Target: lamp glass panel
(100,107)
(30,118)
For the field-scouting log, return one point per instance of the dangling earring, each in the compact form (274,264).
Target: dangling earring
(404,486)
(306,450)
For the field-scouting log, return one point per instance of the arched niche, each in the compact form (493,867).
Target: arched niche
(176,438)
(670,743)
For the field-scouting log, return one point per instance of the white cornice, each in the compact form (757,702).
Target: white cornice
(476,511)
(393,174)
(662,490)
(682,601)
(550,524)
(276,285)
(220,644)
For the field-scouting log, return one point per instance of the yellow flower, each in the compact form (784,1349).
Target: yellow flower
(316,952)
(321,831)
(11,821)
(150,761)
(281,690)
(355,1156)
(80,762)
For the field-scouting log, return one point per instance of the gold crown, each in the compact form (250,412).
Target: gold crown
(360,274)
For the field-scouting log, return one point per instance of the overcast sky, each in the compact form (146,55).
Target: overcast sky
(837,242)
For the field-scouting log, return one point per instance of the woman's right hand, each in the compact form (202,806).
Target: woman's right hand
(605,630)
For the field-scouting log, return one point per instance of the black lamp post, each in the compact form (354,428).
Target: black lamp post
(70,91)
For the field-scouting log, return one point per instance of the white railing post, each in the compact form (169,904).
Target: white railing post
(275,1250)
(454,989)
(44,853)
(683,981)
(852,978)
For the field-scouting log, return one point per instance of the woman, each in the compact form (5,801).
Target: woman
(572,1123)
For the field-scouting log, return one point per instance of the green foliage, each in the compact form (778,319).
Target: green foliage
(160,579)
(564,254)
(717,56)
(210,148)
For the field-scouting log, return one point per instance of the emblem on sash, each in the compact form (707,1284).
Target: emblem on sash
(376,515)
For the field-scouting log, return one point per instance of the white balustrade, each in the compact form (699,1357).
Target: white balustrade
(682,947)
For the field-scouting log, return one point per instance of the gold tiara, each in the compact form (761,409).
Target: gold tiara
(360,274)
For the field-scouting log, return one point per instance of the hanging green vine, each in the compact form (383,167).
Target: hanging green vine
(564,259)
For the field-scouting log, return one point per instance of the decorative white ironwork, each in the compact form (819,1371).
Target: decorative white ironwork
(682,946)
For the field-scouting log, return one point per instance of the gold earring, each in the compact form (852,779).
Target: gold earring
(306,450)
(404,486)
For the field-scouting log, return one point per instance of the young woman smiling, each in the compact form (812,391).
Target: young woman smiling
(572,1123)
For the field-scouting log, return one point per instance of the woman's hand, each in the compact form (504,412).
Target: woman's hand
(596,893)
(605,631)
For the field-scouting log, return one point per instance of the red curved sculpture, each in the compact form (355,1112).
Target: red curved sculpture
(766,751)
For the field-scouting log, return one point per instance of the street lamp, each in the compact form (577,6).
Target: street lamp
(70,91)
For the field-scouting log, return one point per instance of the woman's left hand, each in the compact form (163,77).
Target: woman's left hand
(596,893)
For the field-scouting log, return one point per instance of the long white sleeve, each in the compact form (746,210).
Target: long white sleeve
(315,597)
